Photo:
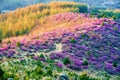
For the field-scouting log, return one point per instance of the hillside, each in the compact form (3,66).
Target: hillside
(56,22)
(75,44)
(22,20)
(59,41)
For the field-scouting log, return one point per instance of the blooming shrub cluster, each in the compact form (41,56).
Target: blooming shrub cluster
(97,48)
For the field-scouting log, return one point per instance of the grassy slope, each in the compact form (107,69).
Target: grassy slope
(54,22)
(23,20)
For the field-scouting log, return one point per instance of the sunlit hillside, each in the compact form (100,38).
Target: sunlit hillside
(23,20)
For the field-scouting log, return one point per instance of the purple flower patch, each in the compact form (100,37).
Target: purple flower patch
(59,64)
